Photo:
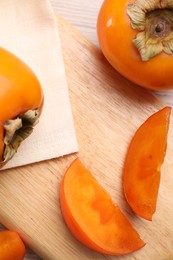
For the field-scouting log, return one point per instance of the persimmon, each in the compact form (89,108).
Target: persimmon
(142,168)
(21,102)
(135,36)
(91,215)
(11,246)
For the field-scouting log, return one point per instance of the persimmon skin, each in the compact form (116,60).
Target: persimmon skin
(115,36)
(91,215)
(20,90)
(11,246)
(142,168)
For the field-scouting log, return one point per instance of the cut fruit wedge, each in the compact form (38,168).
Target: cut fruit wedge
(91,215)
(143,163)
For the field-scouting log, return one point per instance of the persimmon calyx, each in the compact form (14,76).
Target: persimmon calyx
(17,130)
(154,22)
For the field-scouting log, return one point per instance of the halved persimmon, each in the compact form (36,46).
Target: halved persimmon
(91,215)
(143,163)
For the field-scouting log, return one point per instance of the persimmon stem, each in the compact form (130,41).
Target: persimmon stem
(17,130)
(159,28)
(154,22)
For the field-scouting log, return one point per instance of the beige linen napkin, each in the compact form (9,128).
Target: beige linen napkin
(28,29)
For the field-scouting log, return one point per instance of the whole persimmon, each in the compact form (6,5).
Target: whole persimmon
(136,37)
(21,103)
(11,246)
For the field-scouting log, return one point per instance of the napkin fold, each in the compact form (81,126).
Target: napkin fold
(28,28)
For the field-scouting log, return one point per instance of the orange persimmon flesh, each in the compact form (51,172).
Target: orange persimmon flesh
(11,246)
(143,163)
(91,215)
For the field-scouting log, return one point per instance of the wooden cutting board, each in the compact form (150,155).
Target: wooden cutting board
(107,110)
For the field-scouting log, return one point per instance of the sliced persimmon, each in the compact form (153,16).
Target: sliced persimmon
(143,163)
(91,215)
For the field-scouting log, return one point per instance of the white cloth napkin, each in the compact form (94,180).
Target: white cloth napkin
(28,29)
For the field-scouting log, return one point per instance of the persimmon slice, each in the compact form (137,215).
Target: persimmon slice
(91,215)
(143,163)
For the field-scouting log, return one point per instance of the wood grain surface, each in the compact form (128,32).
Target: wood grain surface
(107,109)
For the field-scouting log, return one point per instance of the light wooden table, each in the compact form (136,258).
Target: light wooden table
(82,14)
